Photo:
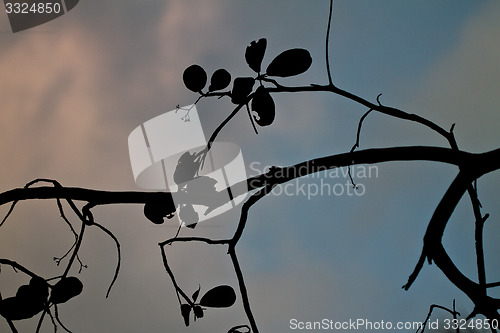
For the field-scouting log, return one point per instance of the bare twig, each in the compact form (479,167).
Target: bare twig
(117,243)
(327,42)
(356,144)
(75,251)
(17,266)
(432,307)
(251,119)
(56,315)
(11,326)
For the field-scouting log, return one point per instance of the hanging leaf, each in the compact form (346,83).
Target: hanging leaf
(19,308)
(187,167)
(66,289)
(185,311)
(242,87)
(156,210)
(219,297)
(201,184)
(196,293)
(29,294)
(202,189)
(263,106)
(189,216)
(195,78)
(40,288)
(240,329)
(198,312)
(29,300)
(289,63)
(255,53)
(220,80)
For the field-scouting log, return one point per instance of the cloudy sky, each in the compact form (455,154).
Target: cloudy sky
(73,89)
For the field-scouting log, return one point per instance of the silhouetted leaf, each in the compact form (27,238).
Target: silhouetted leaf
(195,294)
(242,87)
(195,78)
(188,215)
(240,329)
(39,287)
(187,167)
(255,53)
(219,297)
(24,291)
(66,289)
(202,191)
(9,308)
(155,211)
(15,308)
(220,79)
(29,300)
(198,312)
(201,184)
(290,62)
(263,105)
(185,311)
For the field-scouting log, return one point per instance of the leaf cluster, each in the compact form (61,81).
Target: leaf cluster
(288,63)
(222,296)
(33,298)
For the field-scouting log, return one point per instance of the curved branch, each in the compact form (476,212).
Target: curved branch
(433,248)
(97,197)
(117,243)
(279,176)
(327,42)
(17,266)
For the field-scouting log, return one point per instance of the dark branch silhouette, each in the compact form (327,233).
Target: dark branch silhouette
(254,94)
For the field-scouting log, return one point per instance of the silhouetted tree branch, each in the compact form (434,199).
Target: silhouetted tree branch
(45,294)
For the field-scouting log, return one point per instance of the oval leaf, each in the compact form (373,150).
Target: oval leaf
(15,308)
(240,329)
(188,215)
(185,311)
(30,299)
(40,287)
(24,292)
(220,79)
(187,167)
(219,297)
(242,87)
(155,211)
(263,105)
(198,312)
(66,289)
(289,63)
(196,293)
(201,185)
(255,53)
(195,78)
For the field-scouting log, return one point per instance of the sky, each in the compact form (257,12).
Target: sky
(73,89)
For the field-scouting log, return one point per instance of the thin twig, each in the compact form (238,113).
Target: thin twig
(358,133)
(452,312)
(75,251)
(56,314)
(11,326)
(243,289)
(117,243)
(327,42)
(251,119)
(19,267)
(356,144)
(40,321)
